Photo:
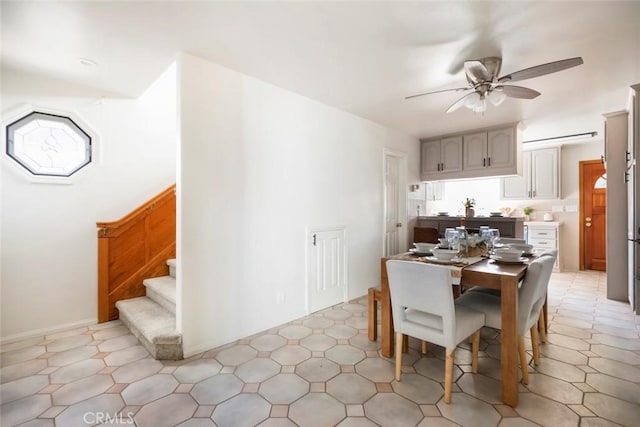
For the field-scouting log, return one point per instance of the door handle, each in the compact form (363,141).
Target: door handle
(588,224)
(398,224)
(634,240)
(588,219)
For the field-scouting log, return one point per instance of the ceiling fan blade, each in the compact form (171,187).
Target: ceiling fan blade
(519,92)
(458,89)
(541,70)
(460,102)
(476,71)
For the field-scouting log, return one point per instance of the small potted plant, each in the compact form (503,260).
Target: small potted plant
(527,211)
(468,207)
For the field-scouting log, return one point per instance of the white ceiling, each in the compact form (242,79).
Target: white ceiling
(361,57)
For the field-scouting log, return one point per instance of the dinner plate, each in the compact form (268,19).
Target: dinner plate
(417,252)
(500,260)
(443,261)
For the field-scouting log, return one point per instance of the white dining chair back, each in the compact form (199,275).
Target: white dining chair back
(423,307)
(531,297)
(532,293)
(422,301)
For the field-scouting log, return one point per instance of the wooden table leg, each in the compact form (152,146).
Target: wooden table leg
(509,346)
(385,313)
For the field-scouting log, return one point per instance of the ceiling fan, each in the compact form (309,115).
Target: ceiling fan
(482,76)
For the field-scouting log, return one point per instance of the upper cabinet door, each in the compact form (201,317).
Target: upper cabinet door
(430,157)
(518,187)
(501,151)
(544,174)
(451,154)
(475,151)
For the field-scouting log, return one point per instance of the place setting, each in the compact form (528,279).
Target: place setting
(507,255)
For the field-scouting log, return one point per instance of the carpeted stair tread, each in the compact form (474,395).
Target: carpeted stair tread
(162,290)
(172,267)
(153,322)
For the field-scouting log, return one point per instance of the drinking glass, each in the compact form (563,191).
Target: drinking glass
(495,235)
(487,237)
(451,235)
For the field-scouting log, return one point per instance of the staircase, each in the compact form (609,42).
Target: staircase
(152,318)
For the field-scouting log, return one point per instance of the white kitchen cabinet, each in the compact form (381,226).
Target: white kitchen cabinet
(481,153)
(492,152)
(540,177)
(544,236)
(475,151)
(440,157)
(435,191)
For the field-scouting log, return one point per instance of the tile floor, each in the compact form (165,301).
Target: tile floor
(322,371)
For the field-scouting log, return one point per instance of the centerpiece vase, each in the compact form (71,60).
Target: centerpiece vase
(469,212)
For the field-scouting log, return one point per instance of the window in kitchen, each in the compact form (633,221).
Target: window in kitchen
(48,144)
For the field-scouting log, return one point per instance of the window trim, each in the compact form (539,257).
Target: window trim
(26,110)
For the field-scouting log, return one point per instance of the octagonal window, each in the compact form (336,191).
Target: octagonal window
(48,144)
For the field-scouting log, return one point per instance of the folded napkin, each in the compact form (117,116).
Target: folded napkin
(458,262)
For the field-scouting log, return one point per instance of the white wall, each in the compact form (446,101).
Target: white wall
(487,194)
(258,166)
(48,233)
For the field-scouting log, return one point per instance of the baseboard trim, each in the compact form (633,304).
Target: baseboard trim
(47,331)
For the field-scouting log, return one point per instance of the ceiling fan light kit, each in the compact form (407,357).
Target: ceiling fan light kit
(482,78)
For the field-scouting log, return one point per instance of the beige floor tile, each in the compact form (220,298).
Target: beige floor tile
(351,389)
(325,365)
(392,409)
(467,410)
(242,410)
(170,410)
(283,389)
(612,409)
(149,389)
(21,370)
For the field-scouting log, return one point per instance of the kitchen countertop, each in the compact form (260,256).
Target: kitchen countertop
(492,218)
(554,223)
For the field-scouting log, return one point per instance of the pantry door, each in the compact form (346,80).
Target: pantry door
(395,203)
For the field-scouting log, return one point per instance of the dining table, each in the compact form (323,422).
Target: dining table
(477,271)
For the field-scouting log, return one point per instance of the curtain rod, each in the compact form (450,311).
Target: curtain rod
(564,137)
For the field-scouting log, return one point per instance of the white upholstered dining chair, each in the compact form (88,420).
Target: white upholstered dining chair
(423,307)
(531,297)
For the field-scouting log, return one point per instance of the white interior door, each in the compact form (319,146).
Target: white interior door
(392,220)
(633,202)
(326,268)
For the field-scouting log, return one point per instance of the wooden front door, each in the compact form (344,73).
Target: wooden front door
(593,215)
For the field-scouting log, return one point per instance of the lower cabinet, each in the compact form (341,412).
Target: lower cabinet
(509,227)
(544,236)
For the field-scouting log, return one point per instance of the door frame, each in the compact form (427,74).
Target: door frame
(582,164)
(402,196)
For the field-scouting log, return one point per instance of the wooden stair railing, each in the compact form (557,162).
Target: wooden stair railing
(134,248)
